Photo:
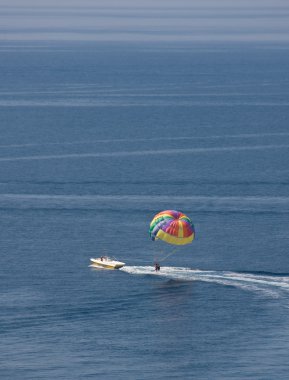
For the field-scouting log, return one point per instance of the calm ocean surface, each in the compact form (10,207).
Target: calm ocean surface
(95,139)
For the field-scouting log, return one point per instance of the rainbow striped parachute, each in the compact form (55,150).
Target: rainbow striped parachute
(172,227)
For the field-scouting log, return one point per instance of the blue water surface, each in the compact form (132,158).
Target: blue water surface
(95,139)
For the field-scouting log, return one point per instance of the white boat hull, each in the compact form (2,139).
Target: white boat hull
(106,263)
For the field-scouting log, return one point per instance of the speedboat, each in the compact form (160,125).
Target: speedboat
(105,262)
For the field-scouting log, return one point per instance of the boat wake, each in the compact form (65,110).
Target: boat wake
(273,285)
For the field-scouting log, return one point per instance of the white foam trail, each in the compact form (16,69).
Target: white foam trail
(133,140)
(270,285)
(144,153)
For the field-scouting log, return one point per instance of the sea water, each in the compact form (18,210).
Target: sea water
(96,138)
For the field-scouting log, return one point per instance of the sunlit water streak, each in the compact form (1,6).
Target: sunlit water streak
(152,202)
(145,153)
(148,140)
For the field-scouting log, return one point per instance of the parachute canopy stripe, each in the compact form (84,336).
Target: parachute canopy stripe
(174,240)
(172,227)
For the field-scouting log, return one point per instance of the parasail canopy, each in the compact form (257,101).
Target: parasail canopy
(173,227)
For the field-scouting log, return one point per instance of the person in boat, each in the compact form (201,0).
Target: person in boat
(157,267)
(101,258)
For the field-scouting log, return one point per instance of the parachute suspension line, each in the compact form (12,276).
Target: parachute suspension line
(159,256)
(160,252)
(170,254)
